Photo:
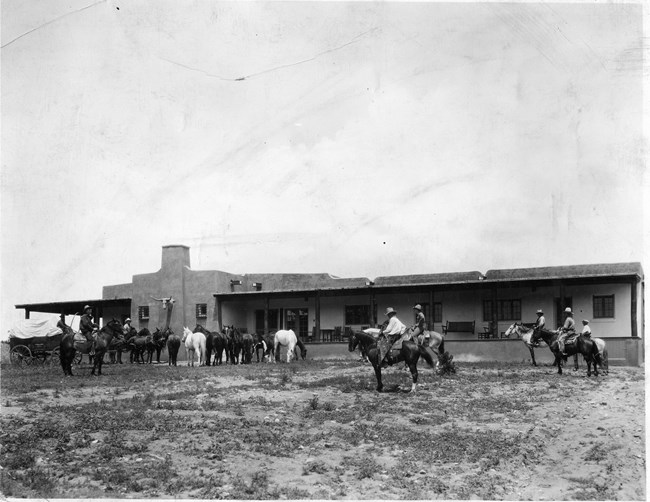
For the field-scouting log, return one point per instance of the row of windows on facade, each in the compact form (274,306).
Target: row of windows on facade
(507,310)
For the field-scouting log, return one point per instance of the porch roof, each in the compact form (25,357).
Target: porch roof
(74,306)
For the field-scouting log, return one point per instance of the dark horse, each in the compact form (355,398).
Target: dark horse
(113,329)
(138,345)
(247,348)
(235,343)
(581,345)
(173,345)
(409,353)
(157,343)
(214,341)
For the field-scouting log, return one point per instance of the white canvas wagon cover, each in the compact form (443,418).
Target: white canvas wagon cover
(30,328)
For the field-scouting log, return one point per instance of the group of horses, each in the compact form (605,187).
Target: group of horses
(208,347)
(594,350)
(237,346)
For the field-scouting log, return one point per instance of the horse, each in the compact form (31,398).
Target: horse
(138,345)
(582,345)
(173,345)
(213,341)
(156,344)
(68,347)
(288,338)
(409,353)
(115,350)
(265,343)
(247,348)
(526,335)
(234,345)
(194,342)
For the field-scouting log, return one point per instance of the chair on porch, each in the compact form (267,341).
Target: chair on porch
(336,336)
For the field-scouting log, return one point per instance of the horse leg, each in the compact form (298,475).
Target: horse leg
(380,385)
(558,361)
(414,374)
(575,362)
(532,355)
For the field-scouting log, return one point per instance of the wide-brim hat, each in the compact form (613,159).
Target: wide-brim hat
(586,321)
(568,311)
(390,310)
(540,311)
(87,307)
(128,319)
(418,306)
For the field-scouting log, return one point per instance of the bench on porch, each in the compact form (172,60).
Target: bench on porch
(459,327)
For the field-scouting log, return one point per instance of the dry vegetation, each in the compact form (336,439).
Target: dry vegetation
(318,429)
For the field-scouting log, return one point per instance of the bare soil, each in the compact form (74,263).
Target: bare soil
(319,430)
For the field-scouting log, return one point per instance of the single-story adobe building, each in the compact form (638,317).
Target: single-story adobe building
(474,309)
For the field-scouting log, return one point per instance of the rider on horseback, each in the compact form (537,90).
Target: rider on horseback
(567,330)
(388,336)
(420,326)
(88,328)
(586,330)
(539,324)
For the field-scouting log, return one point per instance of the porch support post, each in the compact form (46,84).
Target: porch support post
(316,334)
(633,309)
(219,316)
(373,310)
(266,315)
(431,309)
(27,313)
(495,311)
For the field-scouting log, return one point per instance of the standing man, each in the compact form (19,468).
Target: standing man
(389,335)
(568,329)
(88,327)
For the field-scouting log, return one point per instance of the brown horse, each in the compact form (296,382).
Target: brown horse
(214,341)
(582,345)
(68,348)
(410,353)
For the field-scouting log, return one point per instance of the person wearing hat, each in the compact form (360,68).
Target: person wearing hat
(568,329)
(539,324)
(420,324)
(586,330)
(88,327)
(127,326)
(541,320)
(389,335)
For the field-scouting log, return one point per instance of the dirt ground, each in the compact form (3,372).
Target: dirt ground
(319,430)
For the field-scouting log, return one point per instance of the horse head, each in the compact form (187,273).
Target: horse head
(353,342)
(186,333)
(514,328)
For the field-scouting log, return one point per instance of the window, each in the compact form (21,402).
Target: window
(357,314)
(507,310)
(603,306)
(201,310)
(143,313)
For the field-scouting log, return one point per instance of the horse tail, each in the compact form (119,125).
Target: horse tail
(426,355)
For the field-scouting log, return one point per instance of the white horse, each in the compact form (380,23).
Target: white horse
(526,335)
(288,338)
(194,342)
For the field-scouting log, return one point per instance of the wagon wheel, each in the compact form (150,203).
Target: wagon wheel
(77,358)
(55,357)
(20,354)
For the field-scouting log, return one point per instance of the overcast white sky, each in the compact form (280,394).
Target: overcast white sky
(360,139)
